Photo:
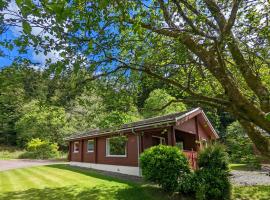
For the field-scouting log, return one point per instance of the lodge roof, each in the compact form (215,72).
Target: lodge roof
(149,122)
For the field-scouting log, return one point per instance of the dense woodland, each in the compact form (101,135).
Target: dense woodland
(35,104)
(120,61)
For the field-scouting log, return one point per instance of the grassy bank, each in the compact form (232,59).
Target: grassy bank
(9,152)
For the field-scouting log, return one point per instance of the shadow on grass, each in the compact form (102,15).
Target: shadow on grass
(132,191)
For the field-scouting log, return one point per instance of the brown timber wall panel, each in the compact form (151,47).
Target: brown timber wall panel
(132,153)
(203,133)
(188,126)
(75,156)
(88,156)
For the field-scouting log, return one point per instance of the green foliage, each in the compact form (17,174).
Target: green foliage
(157,100)
(10,152)
(42,121)
(214,157)
(40,149)
(118,118)
(212,184)
(211,180)
(164,165)
(239,146)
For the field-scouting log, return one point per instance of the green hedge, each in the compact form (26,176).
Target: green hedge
(164,165)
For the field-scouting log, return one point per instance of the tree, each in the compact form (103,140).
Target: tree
(158,99)
(212,52)
(42,121)
(239,146)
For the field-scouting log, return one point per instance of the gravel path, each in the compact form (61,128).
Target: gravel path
(14,164)
(246,178)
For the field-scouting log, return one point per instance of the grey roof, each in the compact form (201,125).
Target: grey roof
(170,118)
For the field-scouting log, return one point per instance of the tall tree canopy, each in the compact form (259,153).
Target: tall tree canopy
(212,52)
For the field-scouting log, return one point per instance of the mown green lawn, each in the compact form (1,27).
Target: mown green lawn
(62,182)
(252,192)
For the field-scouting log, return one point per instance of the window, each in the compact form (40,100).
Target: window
(180,145)
(76,147)
(156,140)
(116,146)
(90,146)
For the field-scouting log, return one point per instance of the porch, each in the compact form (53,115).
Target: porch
(185,141)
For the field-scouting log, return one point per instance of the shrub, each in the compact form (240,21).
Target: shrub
(211,180)
(212,177)
(164,165)
(214,157)
(212,184)
(40,149)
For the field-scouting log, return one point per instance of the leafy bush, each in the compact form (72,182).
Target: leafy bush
(214,157)
(212,184)
(165,166)
(211,180)
(40,149)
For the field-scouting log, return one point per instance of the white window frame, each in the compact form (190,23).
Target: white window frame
(74,145)
(91,151)
(108,149)
(162,140)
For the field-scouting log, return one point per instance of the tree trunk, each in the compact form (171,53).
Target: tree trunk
(261,142)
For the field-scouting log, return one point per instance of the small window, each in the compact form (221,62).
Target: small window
(76,147)
(116,146)
(156,140)
(180,145)
(90,146)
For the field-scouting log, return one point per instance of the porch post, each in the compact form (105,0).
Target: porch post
(198,146)
(171,136)
(69,150)
(81,150)
(95,150)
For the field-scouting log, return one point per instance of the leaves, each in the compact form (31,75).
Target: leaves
(26,27)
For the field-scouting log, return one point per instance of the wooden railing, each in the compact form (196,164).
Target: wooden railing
(192,158)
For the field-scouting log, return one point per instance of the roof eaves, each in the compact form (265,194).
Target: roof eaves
(119,130)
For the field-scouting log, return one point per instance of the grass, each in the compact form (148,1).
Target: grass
(261,192)
(242,167)
(7,152)
(63,182)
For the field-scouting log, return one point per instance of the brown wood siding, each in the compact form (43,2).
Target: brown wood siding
(132,153)
(75,156)
(203,133)
(88,156)
(188,126)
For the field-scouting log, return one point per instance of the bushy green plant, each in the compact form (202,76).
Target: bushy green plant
(214,157)
(212,177)
(164,165)
(211,180)
(40,149)
(212,184)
